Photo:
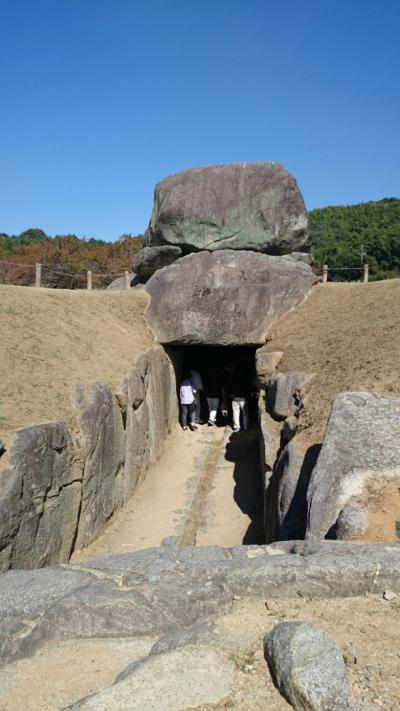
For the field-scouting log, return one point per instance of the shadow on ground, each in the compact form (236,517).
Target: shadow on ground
(243,450)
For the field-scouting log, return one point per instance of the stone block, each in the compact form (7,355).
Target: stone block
(361,446)
(255,206)
(224,297)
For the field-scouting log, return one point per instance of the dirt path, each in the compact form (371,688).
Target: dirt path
(202,491)
(233,513)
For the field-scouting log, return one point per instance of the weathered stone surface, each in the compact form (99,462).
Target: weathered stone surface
(181,679)
(285,391)
(196,634)
(158,375)
(289,428)
(40,493)
(147,398)
(302,257)
(100,444)
(266,363)
(149,259)
(134,280)
(57,491)
(255,206)
(154,591)
(286,496)
(352,522)
(361,446)
(307,667)
(224,297)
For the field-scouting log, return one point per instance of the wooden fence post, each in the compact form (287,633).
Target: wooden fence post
(325,274)
(127,281)
(366,273)
(89,279)
(38,275)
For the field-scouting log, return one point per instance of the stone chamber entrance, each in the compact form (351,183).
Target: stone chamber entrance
(239,476)
(208,486)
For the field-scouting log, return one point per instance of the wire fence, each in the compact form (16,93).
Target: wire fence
(362,270)
(38,274)
(44,275)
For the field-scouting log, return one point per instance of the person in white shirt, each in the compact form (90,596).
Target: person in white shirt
(188,404)
(197,383)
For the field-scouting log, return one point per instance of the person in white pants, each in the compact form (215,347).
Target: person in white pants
(239,405)
(213,405)
(213,390)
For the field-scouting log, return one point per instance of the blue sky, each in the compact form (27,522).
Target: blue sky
(100,99)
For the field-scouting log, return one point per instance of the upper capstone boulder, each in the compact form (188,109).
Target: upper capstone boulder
(254,206)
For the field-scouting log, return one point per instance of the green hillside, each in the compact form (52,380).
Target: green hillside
(339,233)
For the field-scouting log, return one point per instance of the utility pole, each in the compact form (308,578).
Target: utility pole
(362,254)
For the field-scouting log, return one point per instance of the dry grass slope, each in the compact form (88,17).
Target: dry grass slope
(349,334)
(52,338)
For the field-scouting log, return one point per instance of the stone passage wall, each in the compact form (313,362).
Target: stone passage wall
(60,485)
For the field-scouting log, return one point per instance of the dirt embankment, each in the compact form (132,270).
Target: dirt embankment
(349,335)
(52,338)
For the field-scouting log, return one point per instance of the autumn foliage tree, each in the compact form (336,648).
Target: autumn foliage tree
(65,259)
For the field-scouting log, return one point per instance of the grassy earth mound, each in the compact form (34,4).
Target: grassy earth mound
(52,338)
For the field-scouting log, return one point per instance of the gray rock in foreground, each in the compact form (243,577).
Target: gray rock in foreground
(149,259)
(40,495)
(154,591)
(184,678)
(361,447)
(255,206)
(307,667)
(224,297)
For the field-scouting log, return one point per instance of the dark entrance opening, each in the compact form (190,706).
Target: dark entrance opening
(224,359)
(242,448)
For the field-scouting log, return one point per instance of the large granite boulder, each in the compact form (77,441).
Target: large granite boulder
(285,501)
(361,449)
(147,399)
(155,591)
(266,363)
(255,206)
(40,495)
(308,668)
(285,392)
(100,444)
(224,297)
(149,259)
(184,678)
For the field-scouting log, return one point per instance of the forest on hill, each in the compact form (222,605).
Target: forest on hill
(65,259)
(345,237)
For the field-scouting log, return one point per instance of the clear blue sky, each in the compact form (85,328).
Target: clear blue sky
(100,99)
